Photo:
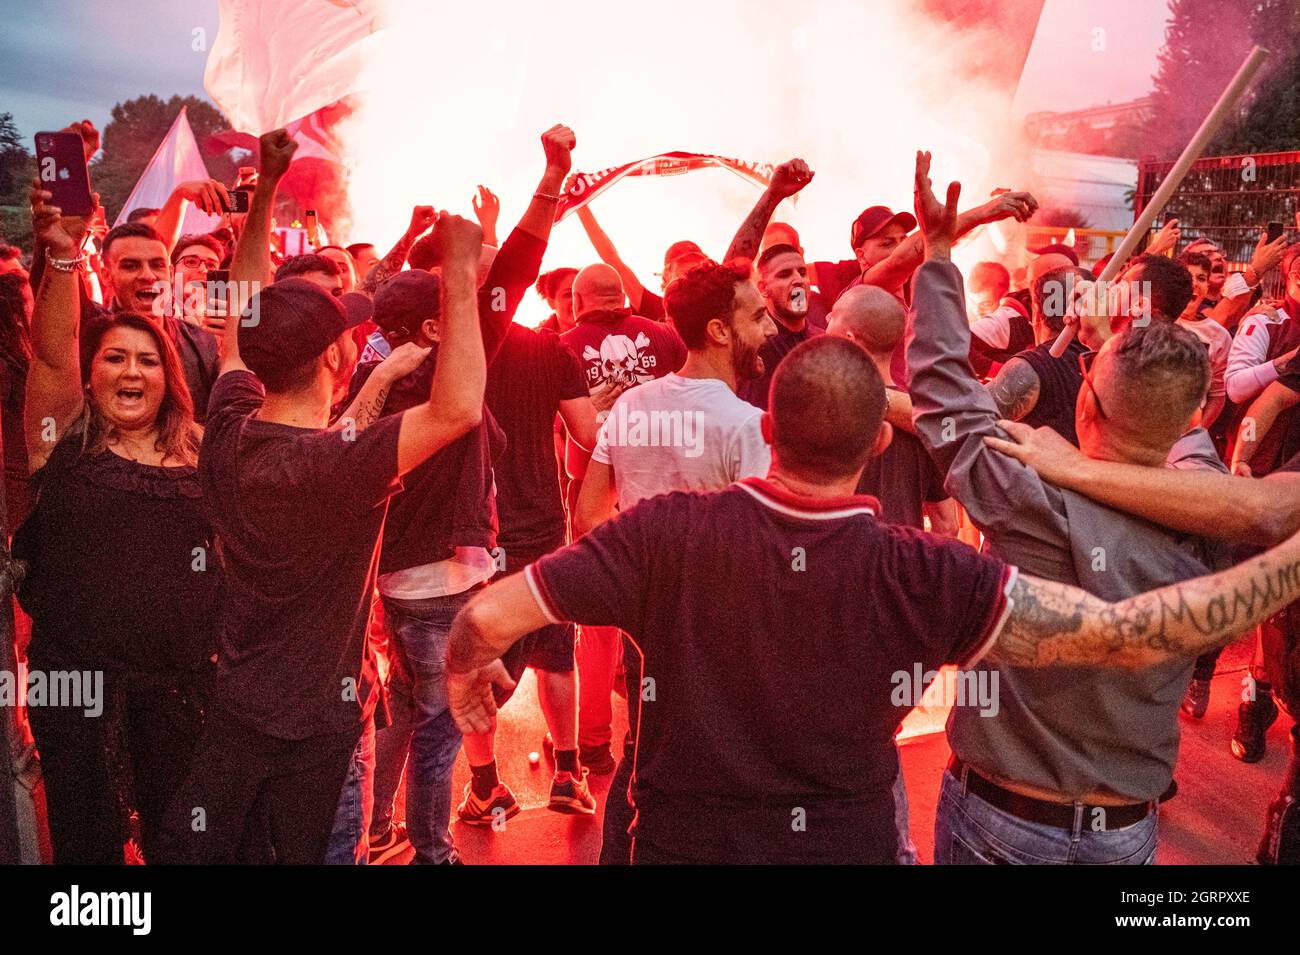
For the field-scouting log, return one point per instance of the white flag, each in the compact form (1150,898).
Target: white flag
(176,160)
(275,61)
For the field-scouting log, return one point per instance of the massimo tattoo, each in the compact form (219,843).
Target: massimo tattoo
(1015,389)
(1052,623)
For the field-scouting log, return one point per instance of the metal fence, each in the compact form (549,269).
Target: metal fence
(1228,199)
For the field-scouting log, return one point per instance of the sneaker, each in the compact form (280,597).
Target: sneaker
(392,843)
(1197,699)
(571,795)
(598,759)
(483,812)
(1281,842)
(1253,720)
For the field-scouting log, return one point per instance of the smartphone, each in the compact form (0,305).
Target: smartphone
(1274,232)
(217,288)
(239,201)
(313,236)
(61,165)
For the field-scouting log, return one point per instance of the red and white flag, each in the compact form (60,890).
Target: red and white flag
(176,160)
(588,185)
(276,61)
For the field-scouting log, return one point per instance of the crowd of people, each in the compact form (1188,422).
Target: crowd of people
(314,527)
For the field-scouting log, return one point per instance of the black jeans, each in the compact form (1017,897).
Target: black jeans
(133,755)
(287,790)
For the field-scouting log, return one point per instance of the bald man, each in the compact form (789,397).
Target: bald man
(617,350)
(902,476)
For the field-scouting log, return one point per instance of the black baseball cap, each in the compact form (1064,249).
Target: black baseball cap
(291,323)
(407,300)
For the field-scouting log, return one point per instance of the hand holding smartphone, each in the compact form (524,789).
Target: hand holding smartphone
(61,167)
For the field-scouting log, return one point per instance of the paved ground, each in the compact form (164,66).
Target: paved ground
(1216,817)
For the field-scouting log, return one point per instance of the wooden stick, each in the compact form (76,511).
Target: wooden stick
(1227,102)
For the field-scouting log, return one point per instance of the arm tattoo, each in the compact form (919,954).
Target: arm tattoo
(749,236)
(388,266)
(1056,623)
(1015,389)
(367,412)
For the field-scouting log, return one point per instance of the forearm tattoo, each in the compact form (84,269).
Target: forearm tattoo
(388,266)
(1052,623)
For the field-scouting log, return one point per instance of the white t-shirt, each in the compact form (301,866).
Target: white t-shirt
(680,434)
(1219,341)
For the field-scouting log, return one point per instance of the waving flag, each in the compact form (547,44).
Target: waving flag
(276,61)
(175,161)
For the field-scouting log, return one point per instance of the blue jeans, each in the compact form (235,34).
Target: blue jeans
(968,831)
(349,842)
(906,854)
(392,746)
(420,630)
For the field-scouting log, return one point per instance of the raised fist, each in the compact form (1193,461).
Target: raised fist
(458,240)
(789,177)
(277,149)
(558,143)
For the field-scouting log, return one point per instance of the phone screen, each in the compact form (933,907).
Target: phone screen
(1274,231)
(61,166)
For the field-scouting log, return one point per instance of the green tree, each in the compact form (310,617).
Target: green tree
(17,168)
(133,133)
(1205,43)
(1271,122)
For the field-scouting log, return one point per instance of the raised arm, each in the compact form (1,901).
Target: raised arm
(788,178)
(455,402)
(515,268)
(893,272)
(951,409)
(421,218)
(209,195)
(54,395)
(1053,623)
(250,268)
(609,255)
(1191,501)
(487,209)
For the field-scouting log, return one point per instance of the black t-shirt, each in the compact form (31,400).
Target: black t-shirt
(1059,381)
(903,479)
(772,352)
(298,512)
(532,374)
(652,307)
(772,630)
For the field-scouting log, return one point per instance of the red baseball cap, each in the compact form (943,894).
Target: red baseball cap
(876,218)
(683,250)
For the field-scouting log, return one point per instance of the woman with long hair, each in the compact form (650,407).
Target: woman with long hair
(15,356)
(122,576)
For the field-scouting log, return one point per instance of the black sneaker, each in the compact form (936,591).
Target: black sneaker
(392,843)
(1197,699)
(1281,842)
(598,759)
(1253,720)
(571,795)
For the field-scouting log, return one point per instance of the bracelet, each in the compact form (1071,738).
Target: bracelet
(65,265)
(545,197)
